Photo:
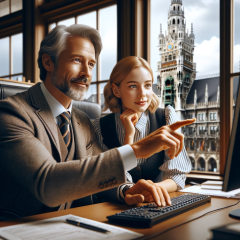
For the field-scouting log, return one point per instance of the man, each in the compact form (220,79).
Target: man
(49,153)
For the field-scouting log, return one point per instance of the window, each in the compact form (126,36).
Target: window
(9,6)
(201,117)
(11,65)
(213,146)
(190,130)
(213,116)
(213,129)
(105,20)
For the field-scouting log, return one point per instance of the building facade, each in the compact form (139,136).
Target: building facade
(191,99)
(176,69)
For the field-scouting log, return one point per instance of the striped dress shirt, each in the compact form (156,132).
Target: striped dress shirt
(174,169)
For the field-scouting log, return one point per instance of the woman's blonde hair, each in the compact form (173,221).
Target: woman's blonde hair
(119,73)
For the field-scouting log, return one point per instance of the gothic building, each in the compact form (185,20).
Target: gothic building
(176,69)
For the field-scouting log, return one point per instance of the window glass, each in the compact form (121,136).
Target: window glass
(17,53)
(236,51)
(4,8)
(4,59)
(92,93)
(17,78)
(102,85)
(108,32)
(89,19)
(51,26)
(16,5)
(185,52)
(67,22)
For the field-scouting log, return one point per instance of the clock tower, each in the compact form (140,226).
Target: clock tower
(176,69)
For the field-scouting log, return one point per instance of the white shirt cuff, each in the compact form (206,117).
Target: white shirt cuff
(128,157)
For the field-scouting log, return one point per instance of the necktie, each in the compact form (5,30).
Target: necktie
(65,128)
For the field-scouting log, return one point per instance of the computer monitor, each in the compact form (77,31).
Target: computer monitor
(231,180)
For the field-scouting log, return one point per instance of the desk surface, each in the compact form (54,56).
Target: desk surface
(197,229)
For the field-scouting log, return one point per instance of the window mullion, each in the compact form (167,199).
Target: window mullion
(98,62)
(226,43)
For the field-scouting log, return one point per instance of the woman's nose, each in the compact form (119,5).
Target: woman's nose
(142,92)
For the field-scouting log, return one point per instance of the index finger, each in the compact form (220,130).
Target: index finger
(182,123)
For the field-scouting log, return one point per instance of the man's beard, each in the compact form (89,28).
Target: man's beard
(73,91)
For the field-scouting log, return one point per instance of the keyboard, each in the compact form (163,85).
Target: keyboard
(148,215)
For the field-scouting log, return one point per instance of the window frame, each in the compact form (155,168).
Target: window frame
(10,75)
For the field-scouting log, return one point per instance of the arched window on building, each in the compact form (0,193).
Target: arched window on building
(173,22)
(182,21)
(170,57)
(201,164)
(165,58)
(168,83)
(179,35)
(212,165)
(174,8)
(178,21)
(174,56)
(178,8)
(192,163)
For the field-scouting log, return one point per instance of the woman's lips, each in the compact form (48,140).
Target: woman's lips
(141,103)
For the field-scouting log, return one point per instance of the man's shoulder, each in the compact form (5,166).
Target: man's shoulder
(18,99)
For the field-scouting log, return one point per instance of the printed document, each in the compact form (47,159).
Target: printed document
(58,229)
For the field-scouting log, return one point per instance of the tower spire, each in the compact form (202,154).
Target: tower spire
(191,28)
(160,28)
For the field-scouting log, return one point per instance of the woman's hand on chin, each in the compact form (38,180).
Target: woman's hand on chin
(129,118)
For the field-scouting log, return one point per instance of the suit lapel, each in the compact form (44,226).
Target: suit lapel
(45,115)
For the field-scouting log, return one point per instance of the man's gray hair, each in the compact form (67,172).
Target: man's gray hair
(55,42)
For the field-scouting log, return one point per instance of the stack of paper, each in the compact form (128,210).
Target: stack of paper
(213,185)
(216,193)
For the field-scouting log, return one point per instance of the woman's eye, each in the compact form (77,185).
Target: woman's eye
(132,86)
(91,64)
(148,85)
(77,60)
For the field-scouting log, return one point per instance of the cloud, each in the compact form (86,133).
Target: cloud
(207,56)
(236,58)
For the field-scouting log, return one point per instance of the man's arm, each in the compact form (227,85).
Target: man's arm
(30,163)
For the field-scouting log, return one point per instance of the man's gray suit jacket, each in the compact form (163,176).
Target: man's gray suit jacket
(36,175)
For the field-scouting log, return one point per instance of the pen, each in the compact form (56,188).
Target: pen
(84,225)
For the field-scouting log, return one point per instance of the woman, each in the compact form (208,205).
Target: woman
(129,95)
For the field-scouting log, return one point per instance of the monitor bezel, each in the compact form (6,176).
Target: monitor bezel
(229,158)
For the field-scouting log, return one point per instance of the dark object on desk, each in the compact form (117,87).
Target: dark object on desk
(227,232)
(148,215)
(84,225)
(231,180)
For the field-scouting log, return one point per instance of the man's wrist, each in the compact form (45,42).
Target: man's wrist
(125,189)
(135,149)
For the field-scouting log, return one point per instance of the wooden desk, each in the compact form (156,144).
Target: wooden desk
(197,229)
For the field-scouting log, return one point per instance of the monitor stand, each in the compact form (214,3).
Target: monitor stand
(235,213)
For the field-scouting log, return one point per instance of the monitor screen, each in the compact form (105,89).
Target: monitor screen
(231,178)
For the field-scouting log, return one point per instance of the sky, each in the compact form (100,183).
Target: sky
(204,14)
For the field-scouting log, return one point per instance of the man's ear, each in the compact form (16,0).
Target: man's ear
(116,91)
(47,62)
